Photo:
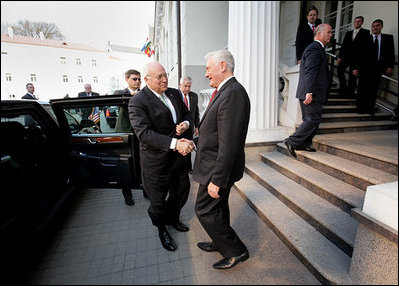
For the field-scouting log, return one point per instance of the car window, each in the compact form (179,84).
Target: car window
(98,119)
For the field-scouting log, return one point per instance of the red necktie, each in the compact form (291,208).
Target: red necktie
(313,28)
(213,95)
(186,101)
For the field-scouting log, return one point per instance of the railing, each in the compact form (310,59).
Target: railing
(332,53)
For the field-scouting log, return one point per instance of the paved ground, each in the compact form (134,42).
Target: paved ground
(102,241)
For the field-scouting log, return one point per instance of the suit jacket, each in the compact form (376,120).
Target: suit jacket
(387,51)
(153,124)
(220,157)
(122,91)
(27,96)
(304,37)
(193,97)
(86,111)
(351,50)
(83,94)
(314,74)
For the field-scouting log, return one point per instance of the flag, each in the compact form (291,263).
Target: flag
(148,48)
(95,115)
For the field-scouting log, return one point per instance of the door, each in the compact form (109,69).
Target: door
(100,141)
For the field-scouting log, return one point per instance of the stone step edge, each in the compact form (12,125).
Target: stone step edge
(358,179)
(373,160)
(337,199)
(334,270)
(340,236)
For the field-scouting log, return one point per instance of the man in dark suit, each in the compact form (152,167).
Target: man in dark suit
(312,91)
(305,32)
(162,122)
(379,60)
(31,89)
(353,46)
(220,158)
(190,99)
(85,112)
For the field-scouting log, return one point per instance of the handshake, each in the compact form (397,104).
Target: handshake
(185,146)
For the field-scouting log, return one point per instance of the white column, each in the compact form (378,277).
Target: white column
(253,41)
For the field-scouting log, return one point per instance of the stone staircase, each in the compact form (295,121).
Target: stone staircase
(339,115)
(307,201)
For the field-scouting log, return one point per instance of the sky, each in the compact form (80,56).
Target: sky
(89,22)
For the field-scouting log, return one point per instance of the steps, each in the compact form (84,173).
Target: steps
(307,200)
(340,116)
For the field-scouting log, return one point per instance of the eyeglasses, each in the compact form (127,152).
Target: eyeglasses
(136,78)
(159,77)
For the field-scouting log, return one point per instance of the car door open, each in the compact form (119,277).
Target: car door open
(100,141)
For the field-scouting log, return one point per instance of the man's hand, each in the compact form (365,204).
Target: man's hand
(213,190)
(181,128)
(196,131)
(388,71)
(339,60)
(355,72)
(184,146)
(308,99)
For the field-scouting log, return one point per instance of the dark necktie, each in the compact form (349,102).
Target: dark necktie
(213,95)
(186,101)
(376,48)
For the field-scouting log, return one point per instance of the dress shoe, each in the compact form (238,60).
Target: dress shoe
(308,149)
(228,263)
(180,226)
(129,201)
(166,240)
(207,246)
(291,150)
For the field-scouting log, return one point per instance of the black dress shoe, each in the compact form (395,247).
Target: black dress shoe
(180,226)
(207,246)
(291,150)
(129,201)
(308,149)
(166,240)
(228,263)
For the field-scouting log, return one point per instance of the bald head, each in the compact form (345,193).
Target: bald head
(323,33)
(155,77)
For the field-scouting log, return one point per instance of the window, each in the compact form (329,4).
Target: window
(339,16)
(78,62)
(8,77)
(65,78)
(63,60)
(94,63)
(80,79)
(95,79)
(33,77)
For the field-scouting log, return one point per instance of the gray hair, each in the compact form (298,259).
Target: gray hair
(185,78)
(222,56)
(320,28)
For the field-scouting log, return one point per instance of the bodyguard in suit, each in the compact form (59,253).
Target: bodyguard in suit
(353,47)
(220,158)
(379,60)
(312,91)
(162,122)
(133,80)
(190,99)
(31,89)
(305,32)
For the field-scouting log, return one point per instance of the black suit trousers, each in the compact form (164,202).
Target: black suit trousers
(214,216)
(369,83)
(311,116)
(168,194)
(350,85)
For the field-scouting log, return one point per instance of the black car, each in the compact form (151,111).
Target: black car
(47,152)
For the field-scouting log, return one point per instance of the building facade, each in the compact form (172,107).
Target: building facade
(57,68)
